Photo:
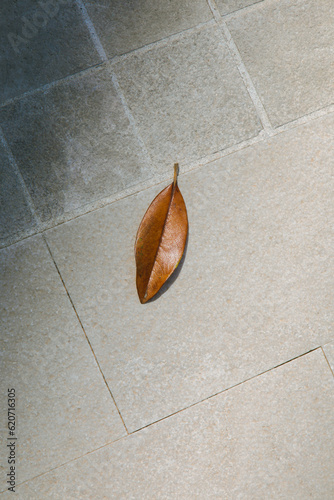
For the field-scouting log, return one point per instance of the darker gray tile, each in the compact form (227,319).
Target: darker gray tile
(287,48)
(16,219)
(187,97)
(41,42)
(124,25)
(73,144)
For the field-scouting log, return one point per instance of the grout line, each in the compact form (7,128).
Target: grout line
(16,169)
(130,116)
(60,466)
(242,69)
(223,153)
(246,8)
(163,42)
(84,331)
(91,28)
(225,390)
(305,119)
(330,367)
(99,47)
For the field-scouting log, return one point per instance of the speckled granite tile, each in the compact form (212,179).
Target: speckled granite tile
(74,144)
(271,437)
(41,42)
(63,407)
(187,98)
(16,219)
(125,25)
(255,290)
(228,6)
(329,353)
(287,48)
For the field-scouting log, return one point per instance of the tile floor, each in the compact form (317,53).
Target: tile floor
(222,387)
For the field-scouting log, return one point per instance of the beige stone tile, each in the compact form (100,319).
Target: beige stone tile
(287,48)
(123,26)
(16,219)
(187,97)
(228,6)
(63,407)
(255,290)
(271,437)
(74,144)
(41,42)
(329,353)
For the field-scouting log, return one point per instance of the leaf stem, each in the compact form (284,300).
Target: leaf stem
(176,171)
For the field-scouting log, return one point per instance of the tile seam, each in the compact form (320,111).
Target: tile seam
(225,390)
(92,31)
(304,120)
(17,171)
(162,42)
(329,365)
(84,331)
(130,117)
(67,463)
(242,10)
(100,49)
(261,112)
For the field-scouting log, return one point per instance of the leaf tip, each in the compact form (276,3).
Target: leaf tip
(142,297)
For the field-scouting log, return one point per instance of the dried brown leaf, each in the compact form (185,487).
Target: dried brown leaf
(160,240)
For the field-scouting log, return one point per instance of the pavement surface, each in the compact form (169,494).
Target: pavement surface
(223,386)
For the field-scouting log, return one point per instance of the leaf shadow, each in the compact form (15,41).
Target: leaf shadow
(173,277)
